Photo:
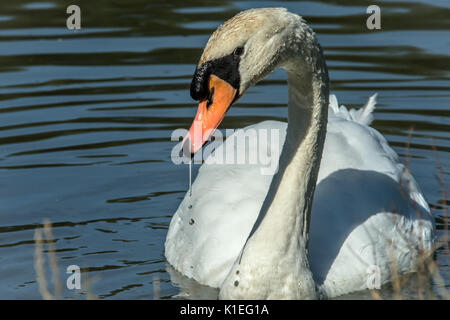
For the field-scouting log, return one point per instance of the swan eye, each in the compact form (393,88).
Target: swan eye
(209,99)
(238,51)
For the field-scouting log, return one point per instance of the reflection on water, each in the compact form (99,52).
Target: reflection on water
(86,119)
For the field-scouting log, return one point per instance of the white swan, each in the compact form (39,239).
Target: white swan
(247,233)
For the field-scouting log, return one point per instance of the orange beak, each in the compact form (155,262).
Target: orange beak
(210,114)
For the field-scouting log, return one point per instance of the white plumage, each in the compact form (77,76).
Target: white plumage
(360,213)
(367,209)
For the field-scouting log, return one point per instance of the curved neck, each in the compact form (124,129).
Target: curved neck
(294,186)
(276,250)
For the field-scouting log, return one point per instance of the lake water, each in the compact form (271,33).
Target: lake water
(86,119)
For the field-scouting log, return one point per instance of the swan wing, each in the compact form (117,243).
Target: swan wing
(362,115)
(368,211)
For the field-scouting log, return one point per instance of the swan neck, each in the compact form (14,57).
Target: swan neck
(302,152)
(285,214)
(276,250)
(289,200)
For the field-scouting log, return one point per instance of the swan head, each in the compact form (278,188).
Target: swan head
(238,54)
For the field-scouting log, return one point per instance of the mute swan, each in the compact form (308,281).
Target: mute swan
(257,236)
